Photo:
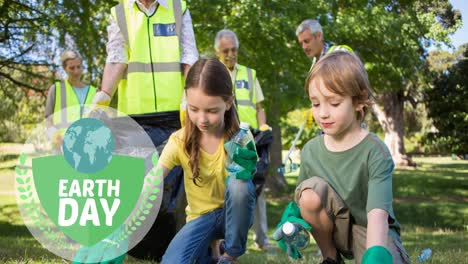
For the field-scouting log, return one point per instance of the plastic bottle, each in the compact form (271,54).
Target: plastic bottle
(425,255)
(296,235)
(241,138)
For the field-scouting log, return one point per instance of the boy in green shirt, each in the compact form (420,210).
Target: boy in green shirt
(344,193)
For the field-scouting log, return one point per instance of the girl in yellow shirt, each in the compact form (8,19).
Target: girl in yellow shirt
(218,206)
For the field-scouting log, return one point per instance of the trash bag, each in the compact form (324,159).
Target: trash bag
(171,216)
(263,140)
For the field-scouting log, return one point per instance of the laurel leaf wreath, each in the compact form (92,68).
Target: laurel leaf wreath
(148,195)
(33,211)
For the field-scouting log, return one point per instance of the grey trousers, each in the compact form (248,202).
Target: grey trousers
(260,225)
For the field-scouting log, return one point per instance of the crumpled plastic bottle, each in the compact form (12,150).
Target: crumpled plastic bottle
(425,255)
(242,138)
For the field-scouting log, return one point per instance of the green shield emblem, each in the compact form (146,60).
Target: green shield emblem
(88,207)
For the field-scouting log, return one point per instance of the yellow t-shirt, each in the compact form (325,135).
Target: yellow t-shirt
(209,195)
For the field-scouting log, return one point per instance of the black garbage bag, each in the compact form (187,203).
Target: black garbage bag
(171,216)
(263,140)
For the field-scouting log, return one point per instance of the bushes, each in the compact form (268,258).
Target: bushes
(17,126)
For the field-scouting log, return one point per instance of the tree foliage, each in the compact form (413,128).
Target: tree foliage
(446,101)
(391,37)
(33,35)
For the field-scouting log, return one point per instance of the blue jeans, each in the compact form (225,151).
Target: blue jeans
(192,242)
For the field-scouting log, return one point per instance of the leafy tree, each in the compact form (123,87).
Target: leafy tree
(266,32)
(33,34)
(390,36)
(446,101)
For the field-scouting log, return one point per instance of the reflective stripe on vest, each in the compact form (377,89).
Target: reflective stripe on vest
(244,86)
(339,47)
(330,50)
(67,103)
(154,80)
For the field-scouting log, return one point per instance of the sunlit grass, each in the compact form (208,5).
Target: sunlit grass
(430,203)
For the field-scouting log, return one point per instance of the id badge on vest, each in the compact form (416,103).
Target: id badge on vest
(242,84)
(164,30)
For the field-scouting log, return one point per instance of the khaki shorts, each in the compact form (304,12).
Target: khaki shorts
(349,238)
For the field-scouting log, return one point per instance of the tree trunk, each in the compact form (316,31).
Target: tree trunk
(391,120)
(275,180)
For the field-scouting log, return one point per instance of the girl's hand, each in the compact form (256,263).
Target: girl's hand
(245,157)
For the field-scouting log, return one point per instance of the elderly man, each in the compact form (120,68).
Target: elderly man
(249,96)
(310,36)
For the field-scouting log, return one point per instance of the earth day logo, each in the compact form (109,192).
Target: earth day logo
(88,145)
(88,190)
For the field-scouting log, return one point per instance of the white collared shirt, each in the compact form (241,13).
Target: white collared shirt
(116,51)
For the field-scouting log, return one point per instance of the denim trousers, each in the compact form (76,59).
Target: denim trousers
(232,222)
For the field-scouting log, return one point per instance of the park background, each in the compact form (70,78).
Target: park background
(415,52)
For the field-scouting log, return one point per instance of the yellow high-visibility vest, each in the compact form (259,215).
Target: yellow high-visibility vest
(332,49)
(67,106)
(154,80)
(339,47)
(246,97)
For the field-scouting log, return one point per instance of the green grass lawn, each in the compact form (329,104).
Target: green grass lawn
(430,203)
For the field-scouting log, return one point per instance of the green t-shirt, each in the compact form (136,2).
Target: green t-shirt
(362,175)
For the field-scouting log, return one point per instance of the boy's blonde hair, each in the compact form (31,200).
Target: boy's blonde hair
(343,73)
(69,55)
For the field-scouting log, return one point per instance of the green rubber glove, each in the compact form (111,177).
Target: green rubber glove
(291,214)
(107,249)
(377,255)
(245,157)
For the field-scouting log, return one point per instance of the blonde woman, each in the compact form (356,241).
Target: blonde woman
(68,92)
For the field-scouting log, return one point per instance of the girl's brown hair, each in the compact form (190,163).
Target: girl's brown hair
(343,73)
(213,78)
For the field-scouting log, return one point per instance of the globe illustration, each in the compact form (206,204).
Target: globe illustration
(88,145)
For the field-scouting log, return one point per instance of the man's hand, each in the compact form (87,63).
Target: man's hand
(291,214)
(265,127)
(101,101)
(102,98)
(377,255)
(56,137)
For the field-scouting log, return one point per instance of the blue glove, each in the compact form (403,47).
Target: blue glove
(107,249)
(245,157)
(377,255)
(291,214)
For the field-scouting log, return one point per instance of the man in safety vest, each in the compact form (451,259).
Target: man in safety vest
(151,46)
(249,96)
(310,36)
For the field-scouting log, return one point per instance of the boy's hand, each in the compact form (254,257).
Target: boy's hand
(291,214)
(377,255)
(245,157)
